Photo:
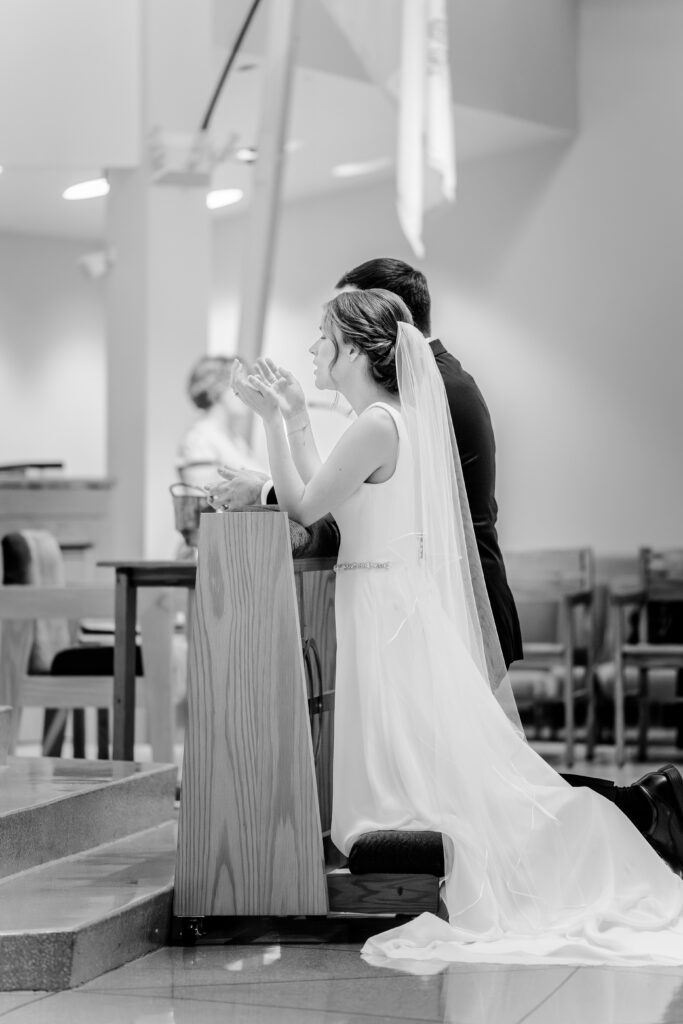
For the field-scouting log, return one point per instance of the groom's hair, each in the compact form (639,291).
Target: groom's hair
(368,319)
(397,277)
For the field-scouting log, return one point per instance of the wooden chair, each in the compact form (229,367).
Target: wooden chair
(40,666)
(648,636)
(554,591)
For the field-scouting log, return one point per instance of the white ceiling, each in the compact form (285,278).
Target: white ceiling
(337,116)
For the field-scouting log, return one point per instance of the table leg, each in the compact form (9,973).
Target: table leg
(124,668)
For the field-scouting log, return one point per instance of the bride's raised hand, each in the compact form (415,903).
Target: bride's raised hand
(287,388)
(257,394)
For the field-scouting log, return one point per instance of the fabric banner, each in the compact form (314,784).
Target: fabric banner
(404,50)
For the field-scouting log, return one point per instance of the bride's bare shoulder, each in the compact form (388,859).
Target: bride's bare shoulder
(376,428)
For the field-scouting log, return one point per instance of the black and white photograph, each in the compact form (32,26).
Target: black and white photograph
(341,511)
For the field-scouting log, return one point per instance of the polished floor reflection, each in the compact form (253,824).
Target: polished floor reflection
(328,982)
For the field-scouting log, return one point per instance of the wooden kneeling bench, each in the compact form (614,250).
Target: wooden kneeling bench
(255,801)
(389,872)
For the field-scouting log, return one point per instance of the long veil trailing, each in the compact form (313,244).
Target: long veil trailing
(449,548)
(535,871)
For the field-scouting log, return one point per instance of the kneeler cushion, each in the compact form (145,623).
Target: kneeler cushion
(392,852)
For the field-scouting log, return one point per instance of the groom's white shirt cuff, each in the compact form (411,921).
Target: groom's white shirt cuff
(264,491)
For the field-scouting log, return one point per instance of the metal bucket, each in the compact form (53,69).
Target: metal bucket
(188,504)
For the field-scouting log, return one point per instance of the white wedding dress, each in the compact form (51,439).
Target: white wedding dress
(537,871)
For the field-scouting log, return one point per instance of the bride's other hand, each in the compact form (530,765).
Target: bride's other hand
(285,385)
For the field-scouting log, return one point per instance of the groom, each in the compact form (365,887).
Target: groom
(654,804)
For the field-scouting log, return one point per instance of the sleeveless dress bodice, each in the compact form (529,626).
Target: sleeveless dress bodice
(377,516)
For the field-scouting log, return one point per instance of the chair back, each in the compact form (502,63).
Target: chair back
(34,557)
(550,573)
(540,579)
(661,572)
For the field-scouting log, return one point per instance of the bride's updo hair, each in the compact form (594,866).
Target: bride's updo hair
(369,320)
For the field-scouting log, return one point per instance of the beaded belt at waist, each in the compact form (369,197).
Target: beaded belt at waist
(344,566)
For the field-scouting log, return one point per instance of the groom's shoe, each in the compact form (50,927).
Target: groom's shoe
(664,789)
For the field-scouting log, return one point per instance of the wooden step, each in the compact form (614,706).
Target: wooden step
(66,922)
(54,807)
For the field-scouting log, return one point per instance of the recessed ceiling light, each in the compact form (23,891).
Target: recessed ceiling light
(366,167)
(87,189)
(249,154)
(0,168)
(223,197)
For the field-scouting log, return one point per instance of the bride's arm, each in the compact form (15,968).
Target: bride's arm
(370,442)
(302,446)
(292,402)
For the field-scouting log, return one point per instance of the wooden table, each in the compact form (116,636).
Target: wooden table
(129,576)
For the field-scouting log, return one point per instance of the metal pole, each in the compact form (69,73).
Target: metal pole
(263,220)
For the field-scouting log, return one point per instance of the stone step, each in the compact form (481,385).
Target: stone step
(63,923)
(54,807)
(5,726)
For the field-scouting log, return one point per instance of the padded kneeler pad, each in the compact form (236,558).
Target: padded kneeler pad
(392,852)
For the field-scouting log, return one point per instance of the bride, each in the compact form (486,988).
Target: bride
(426,730)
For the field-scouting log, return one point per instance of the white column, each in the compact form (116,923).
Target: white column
(158,290)
(266,195)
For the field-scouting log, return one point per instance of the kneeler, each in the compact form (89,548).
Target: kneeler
(255,800)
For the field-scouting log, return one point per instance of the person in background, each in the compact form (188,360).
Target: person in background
(216,437)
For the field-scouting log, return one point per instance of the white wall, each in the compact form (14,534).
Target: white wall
(52,383)
(62,102)
(556,279)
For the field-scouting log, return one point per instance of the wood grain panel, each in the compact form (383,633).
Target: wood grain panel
(382,894)
(315,592)
(249,834)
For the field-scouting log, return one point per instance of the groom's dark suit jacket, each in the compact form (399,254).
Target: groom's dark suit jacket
(477,448)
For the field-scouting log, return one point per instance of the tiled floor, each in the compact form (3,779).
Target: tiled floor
(307,984)
(287,977)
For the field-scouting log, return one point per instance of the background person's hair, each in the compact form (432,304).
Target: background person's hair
(208,379)
(398,277)
(369,320)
